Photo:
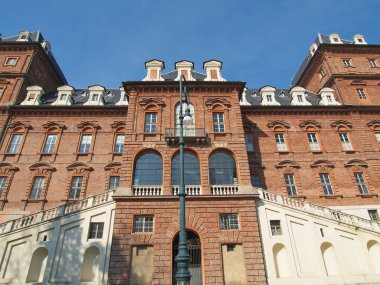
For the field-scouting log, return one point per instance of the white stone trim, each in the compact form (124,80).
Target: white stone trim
(213,65)
(123,101)
(359,40)
(154,65)
(268,91)
(333,37)
(326,95)
(37,91)
(296,92)
(96,96)
(184,65)
(63,100)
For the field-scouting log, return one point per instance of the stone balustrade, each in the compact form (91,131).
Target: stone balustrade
(224,189)
(147,190)
(189,189)
(53,213)
(320,210)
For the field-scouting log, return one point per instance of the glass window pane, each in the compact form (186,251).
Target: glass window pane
(3,180)
(119,143)
(222,169)
(38,184)
(50,143)
(148,169)
(192,172)
(76,187)
(15,143)
(85,143)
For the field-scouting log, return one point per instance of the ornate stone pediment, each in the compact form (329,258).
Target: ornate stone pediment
(54,124)
(322,164)
(374,123)
(278,123)
(310,123)
(341,123)
(356,163)
(86,124)
(211,102)
(42,166)
(79,167)
(17,124)
(288,164)
(145,102)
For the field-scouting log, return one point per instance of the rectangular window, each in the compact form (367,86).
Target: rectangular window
(150,122)
(299,98)
(63,97)
(38,184)
(361,94)
(95,97)
(143,224)
(114,182)
(255,180)
(76,187)
(346,144)
(329,99)
(326,184)
(347,63)
(119,144)
(85,143)
(275,227)
(3,180)
(313,141)
(1,91)
(50,143)
(96,231)
(15,143)
(269,98)
(229,222)
(290,185)
(11,61)
(372,63)
(373,215)
(280,142)
(359,177)
(322,73)
(249,142)
(218,120)
(377,135)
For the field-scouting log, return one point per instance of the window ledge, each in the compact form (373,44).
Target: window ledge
(11,153)
(68,200)
(34,200)
(367,195)
(316,151)
(297,196)
(116,153)
(331,196)
(45,153)
(349,151)
(82,153)
(284,152)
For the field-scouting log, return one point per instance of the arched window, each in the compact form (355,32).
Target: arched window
(90,264)
(37,265)
(329,259)
(192,176)
(148,169)
(189,126)
(222,169)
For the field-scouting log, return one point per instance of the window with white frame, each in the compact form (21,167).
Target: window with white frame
(85,143)
(359,177)
(275,227)
(50,142)
(290,184)
(119,143)
(3,180)
(313,141)
(150,122)
(15,143)
(255,180)
(218,121)
(229,222)
(11,61)
(280,142)
(372,63)
(76,187)
(326,184)
(373,215)
(114,182)
(95,97)
(38,184)
(143,224)
(361,94)
(96,231)
(249,141)
(269,98)
(299,98)
(347,63)
(345,140)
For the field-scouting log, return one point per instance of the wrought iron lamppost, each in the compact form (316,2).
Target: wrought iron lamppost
(183,275)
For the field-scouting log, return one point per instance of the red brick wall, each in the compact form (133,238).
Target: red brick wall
(202,217)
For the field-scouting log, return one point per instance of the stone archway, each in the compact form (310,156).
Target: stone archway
(195,252)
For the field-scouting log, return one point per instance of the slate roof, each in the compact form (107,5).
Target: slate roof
(320,39)
(172,75)
(81,96)
(282,96)
(37,37)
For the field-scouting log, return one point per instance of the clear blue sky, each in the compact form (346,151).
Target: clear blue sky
(260,42)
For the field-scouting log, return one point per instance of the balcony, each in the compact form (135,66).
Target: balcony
(193,135)
(192,190)
(147,190)
(224,189)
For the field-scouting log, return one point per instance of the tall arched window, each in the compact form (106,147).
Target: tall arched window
(90,264)
(148,169)
(329,259)
(192,173)
(189,126)
(374,252)
(281,261)
(222,169)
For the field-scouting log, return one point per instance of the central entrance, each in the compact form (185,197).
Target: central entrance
(195,264)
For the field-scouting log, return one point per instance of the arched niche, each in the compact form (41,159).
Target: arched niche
(374,253)
(37,265)
(329,259)
(90,266)
(281,261)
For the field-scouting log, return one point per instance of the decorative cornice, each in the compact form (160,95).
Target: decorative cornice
(323,163)
(42,165)
(22,124)
(90,124)
(278,123)
(288,163)
(211,102)
(373,124)
(145,102)
(8,166)
(112,165)
(310,123)
(79,165)
(341,123)
(56,124)
(356,163)
(118,124)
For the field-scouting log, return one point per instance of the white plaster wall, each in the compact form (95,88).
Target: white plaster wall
(66,241)
(302,239)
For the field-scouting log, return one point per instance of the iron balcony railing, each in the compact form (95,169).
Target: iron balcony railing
(187,132)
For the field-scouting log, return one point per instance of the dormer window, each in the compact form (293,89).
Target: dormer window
(299,98)
(125,98)
(31,97)
(24,36)
(372,63)
(269,98)
(329,99)
(95,97)
(336,40)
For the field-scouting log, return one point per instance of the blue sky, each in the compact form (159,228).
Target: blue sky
(260,42)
